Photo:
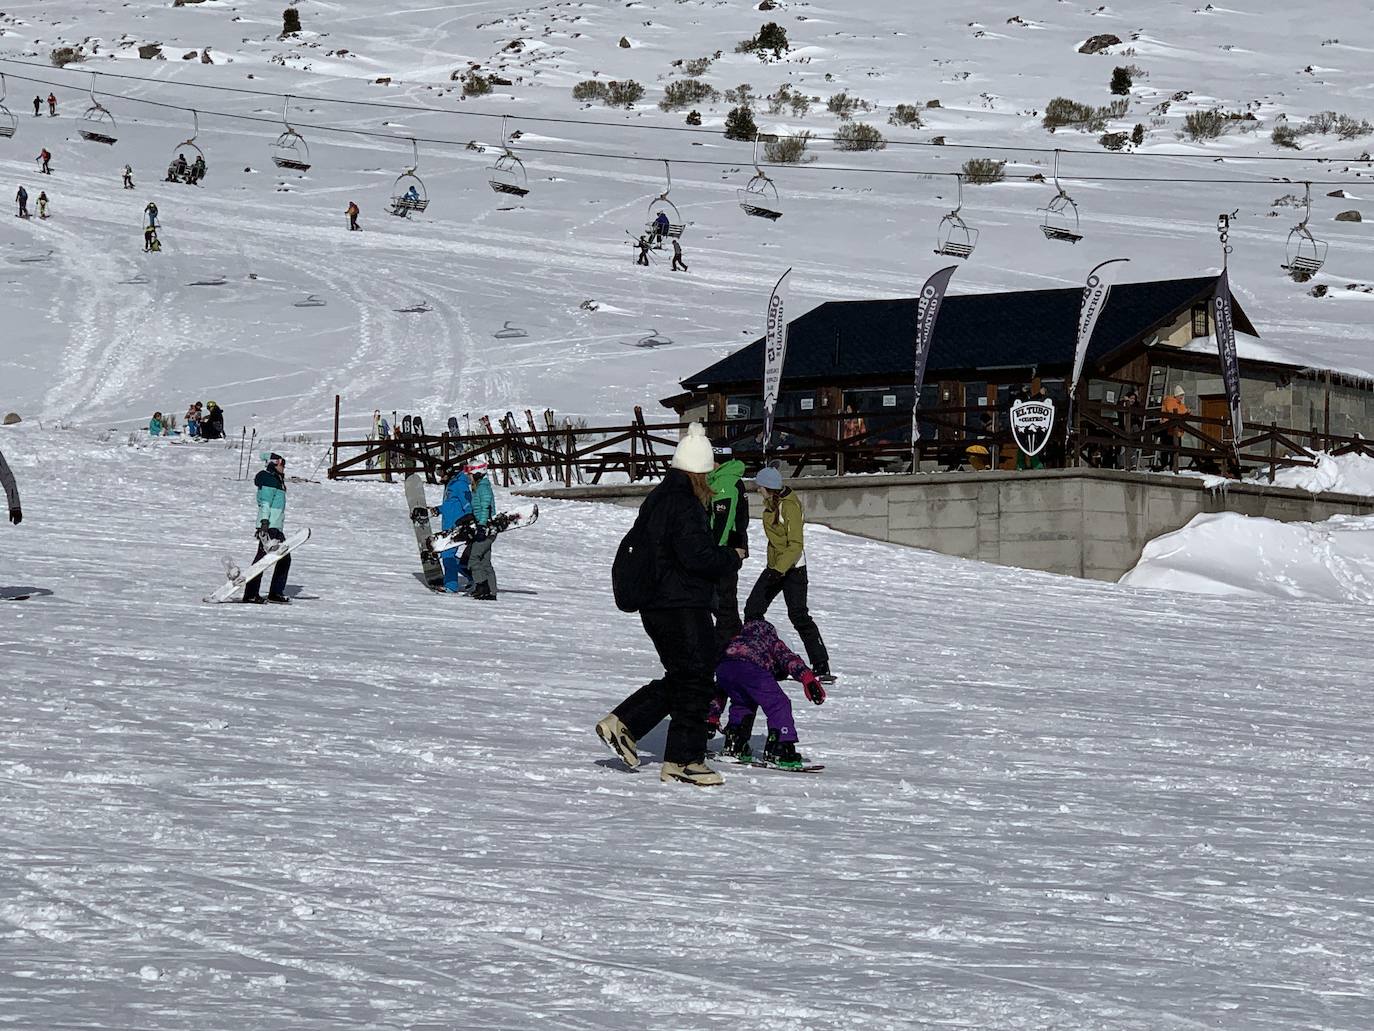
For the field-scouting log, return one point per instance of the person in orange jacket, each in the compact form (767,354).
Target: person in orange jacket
(1173,405)
(352,212)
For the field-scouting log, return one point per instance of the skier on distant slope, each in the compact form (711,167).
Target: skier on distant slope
(455,509)
(271,495)
(44,158)
(128,177)
(352,212)
(11,491)
(23,198)
(42,204)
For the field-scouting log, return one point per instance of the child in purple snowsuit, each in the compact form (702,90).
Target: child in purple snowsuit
(754,663)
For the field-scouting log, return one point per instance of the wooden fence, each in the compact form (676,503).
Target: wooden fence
(1107,435)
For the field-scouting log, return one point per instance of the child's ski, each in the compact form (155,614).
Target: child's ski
(760,764)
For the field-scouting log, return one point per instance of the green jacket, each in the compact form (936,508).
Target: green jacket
(782,525)
(729,507)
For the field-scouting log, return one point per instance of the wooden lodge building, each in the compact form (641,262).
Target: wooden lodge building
(1154,336)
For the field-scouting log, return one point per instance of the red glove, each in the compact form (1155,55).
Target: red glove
(812,687)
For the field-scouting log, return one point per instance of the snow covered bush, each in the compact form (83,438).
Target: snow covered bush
(686,92)
(740,125)
(589,90)
(624,93)
(1205,125)
(788,150)
(770,39)
(475,84)
(63,56)
(290,21)
(905,114)
(983,171)
(858,136)
(1062,112)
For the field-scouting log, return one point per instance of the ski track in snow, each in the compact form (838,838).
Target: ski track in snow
(1047,803)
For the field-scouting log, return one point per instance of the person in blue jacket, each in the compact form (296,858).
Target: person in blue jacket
(479,558)
(455,509)
(271,487)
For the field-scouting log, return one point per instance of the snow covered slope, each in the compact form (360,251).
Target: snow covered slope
(1048,802)
(100,333)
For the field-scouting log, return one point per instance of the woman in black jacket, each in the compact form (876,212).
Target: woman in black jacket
(677,618)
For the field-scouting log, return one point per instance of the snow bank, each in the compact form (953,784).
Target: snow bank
(1343,474)
(1230,554)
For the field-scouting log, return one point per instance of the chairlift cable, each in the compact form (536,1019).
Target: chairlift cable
(698,130)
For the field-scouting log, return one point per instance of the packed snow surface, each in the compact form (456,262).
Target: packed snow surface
(1047,802)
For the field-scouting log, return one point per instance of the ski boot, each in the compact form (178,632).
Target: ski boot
(782,754)
(616,736)
(697,773)
(736,745)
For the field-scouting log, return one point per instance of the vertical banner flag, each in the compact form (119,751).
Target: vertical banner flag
(1095,293)
(927,311)
(774,354)
(1226,349)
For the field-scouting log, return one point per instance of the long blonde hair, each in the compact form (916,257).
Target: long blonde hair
(701,487)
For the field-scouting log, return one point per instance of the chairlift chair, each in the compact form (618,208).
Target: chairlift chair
(97,124)
(290,150)
(955,238)
(409,194)
(662,205)
(508,175)
(1059,218)
(187,176)
(759,197)
(8,123)
(1306,254)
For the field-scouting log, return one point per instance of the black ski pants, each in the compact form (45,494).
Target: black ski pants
(685,642)
(279,572)
(792,585)
(726,612)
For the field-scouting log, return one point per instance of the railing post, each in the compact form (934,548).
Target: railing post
(336,438)
(1273,449)
(568,458)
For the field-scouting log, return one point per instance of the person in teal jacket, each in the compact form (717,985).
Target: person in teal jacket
(271,495)
(155,425)
(479,559)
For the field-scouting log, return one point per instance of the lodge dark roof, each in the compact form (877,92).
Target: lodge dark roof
(1025,329)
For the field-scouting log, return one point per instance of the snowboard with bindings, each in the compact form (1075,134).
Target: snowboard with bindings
(424,530)
(760,764)
(511,519)
(238,578)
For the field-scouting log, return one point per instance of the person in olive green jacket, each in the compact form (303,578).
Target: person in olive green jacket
(786,572)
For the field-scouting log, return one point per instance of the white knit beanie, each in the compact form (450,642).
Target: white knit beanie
(693,454)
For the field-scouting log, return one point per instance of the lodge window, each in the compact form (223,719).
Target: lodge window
(1199,320)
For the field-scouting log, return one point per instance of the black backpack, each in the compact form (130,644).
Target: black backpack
(634,573)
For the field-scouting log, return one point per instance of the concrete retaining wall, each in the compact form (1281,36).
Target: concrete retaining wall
(1080,522)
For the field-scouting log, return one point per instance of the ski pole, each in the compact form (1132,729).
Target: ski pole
(242,437)
(252,439)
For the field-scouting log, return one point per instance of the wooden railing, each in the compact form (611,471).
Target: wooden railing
(1104,435)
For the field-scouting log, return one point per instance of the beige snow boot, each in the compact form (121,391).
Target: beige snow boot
(697,773)
(616,737)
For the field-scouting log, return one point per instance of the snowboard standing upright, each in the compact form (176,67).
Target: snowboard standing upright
(419,518)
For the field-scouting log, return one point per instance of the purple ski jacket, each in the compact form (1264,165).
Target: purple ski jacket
(759,644)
